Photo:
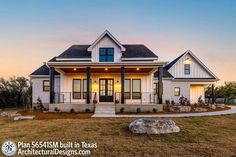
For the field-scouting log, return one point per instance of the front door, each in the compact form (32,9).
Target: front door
(106,90)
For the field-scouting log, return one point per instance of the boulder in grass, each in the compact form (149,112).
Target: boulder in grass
(24,118)
(144,126)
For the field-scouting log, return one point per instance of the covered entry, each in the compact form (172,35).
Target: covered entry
(106,90)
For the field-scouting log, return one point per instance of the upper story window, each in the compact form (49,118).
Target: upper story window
(187,69)
(106,55)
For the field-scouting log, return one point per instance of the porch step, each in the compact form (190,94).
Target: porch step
(104,111)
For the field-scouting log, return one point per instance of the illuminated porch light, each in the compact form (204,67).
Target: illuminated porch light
(74,69)
(106,69)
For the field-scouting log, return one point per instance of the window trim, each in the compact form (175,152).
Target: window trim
(129,89)
(133,89)
(106,50)
(44,90)
(187,70)
(73,96)
(178,92)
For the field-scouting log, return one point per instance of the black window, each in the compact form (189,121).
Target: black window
(177,91)
(127,89)
(76,89)
(85,88)
(46,86)
(187,69)
(106,54)
(155,89)
(136,89)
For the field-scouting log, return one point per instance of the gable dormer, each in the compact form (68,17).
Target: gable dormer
(106,48)
(188,65)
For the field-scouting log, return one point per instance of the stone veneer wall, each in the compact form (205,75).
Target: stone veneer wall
(68,107)
(144,108)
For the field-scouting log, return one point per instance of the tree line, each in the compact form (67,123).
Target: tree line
(15,92)
(226,91)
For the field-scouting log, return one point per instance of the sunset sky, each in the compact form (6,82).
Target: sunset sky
(32,32)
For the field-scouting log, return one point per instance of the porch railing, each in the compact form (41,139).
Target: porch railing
(137,97)
(74,97)
(129,97)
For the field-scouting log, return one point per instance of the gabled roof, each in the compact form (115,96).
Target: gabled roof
(169,65)
(43,70)
(103,35)
(80,51)
(138,51)
(166,74)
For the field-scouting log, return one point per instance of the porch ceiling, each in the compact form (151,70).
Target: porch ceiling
(107,70)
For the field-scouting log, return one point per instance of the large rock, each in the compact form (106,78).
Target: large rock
(143,126)
(200,109)
(180,108)
(24,118)
(220,105)
(9,114)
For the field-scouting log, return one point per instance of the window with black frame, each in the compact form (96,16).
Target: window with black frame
(106,55)
(136,89)
(76,89)
(177,91)
(155,89)
(85,88)
(187,69)
(127,89)
(46,85)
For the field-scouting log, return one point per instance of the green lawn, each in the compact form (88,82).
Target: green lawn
(199,136)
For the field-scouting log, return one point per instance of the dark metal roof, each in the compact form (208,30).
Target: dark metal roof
(80,51)
(76,51)
(138,51)
(165,73)
(169,65)
(43,70)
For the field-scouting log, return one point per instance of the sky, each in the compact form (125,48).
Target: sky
(32,32)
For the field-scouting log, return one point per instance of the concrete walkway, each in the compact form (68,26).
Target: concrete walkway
(216,113)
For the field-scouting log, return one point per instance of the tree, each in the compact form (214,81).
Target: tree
(15,92)
(226,91)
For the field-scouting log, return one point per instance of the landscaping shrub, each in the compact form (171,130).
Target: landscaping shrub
(117,101)
(200,101)
(122,109)
(138,110)
(154,110)
(39,104)
(183,101)
(87,110)
(172,102)
(167,102)
(72,110)
(166,107)
(56,109)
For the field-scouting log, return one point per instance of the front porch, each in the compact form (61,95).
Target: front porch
(113,84)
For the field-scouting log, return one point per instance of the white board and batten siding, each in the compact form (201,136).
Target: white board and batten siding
(106,42)
(196,69)
(190,90)
(37,90)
